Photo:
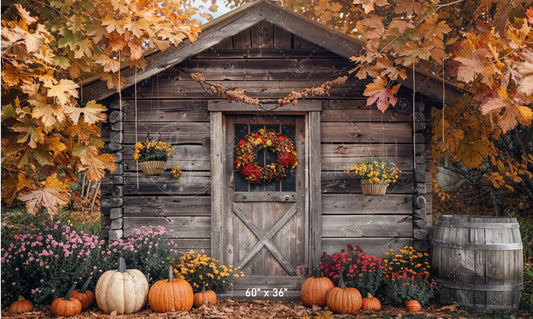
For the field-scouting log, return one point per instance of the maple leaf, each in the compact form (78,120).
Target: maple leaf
(111,24)
(525,68)
(472,153)
(64,91)
(94,112)
(32,135)
(136,51)
(137,28)
(401,25)
(48,114)
(25,14)
(95,164)
(493,105)
(379,94)
(529,15)
(408,7)
(431,27)
(53,195)
(389,69)
(368,5)
(471,67)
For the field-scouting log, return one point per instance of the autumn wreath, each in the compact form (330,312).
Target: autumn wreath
(246,162)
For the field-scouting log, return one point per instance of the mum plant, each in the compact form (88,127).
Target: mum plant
(45,259)
(148,249)
(376,171)
(408,276)
(152,150)
(359,269)
(200,269)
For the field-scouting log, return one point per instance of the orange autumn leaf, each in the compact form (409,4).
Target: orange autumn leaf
(379,94)
(529,15)
(94,164)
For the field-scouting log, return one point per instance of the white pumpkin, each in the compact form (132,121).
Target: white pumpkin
(123,290)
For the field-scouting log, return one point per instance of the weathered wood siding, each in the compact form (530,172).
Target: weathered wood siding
(268,62)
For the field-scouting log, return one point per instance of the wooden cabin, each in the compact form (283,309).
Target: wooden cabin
(273,231)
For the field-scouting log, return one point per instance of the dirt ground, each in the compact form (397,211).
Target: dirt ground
(262,309)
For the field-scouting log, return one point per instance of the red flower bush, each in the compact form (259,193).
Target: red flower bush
(360,270)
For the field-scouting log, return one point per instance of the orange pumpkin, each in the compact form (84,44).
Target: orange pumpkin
(21,305)
(170,295)
(343,300)
(314,290)
(85,296)
(204,296)
(66,306)
(413,305)
(371,303)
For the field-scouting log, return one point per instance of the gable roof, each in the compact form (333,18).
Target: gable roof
(245,17)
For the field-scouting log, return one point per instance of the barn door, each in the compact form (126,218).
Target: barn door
(265,224)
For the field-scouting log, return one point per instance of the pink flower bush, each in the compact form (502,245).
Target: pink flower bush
(46,260)
(149,249)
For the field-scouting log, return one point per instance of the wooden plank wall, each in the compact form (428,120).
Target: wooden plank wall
(268,62)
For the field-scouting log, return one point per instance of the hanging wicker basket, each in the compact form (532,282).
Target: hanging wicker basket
(153,167)
(377,188)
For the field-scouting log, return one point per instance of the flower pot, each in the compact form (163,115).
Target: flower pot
(153,167)
(376,188)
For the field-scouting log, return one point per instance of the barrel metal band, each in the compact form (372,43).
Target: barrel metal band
(478,287)
(475,225)
(470,246)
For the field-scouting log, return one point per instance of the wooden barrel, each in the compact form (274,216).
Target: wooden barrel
(478,261)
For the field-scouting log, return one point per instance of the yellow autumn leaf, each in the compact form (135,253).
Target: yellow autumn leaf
(53,195)
(94,112)
(525,114)
(64,91)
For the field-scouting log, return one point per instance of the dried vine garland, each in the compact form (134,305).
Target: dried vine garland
(248,166)
(239,95)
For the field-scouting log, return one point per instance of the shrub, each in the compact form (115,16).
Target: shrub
(407,277)
(44,260)
(149,250)
(201,269)
(526,231)
(360,270)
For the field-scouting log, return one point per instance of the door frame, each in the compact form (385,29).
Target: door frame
(312,170)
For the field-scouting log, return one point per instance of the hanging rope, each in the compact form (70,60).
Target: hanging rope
(443,99)
(120,98)
(136,118)
(414,119)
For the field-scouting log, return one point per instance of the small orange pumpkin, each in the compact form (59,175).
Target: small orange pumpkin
(371,303)
(413,305)
(21,305)
(85,296)
(66,306)
(204,296)
(170,295)
(314,289)
(343,300)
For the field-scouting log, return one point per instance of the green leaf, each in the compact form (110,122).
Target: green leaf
(62,62)
(8,111)
(43,156)
(80,151)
